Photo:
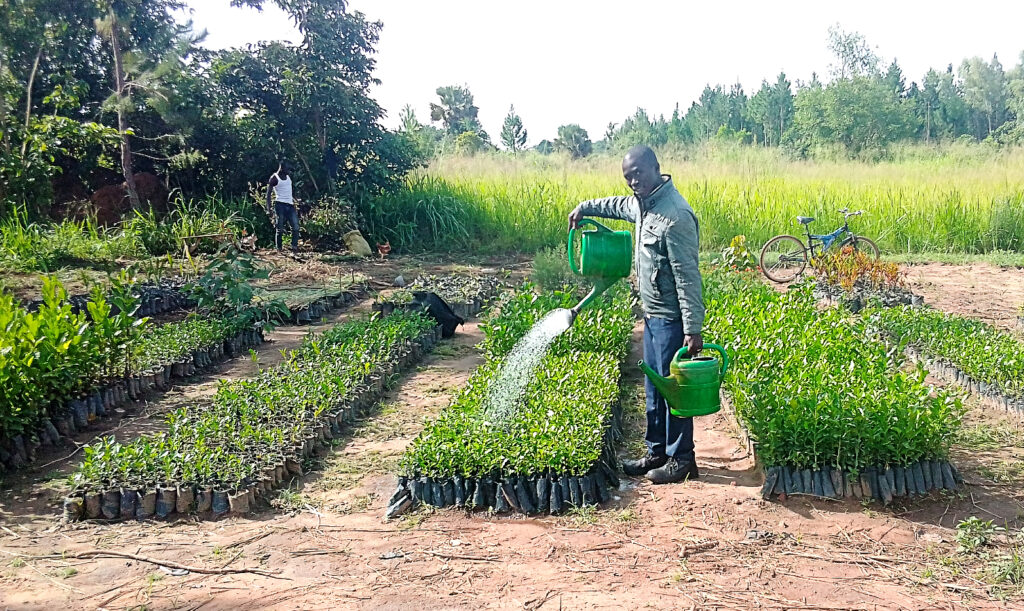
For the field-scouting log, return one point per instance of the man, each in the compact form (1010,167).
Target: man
(670,289)
(280,184)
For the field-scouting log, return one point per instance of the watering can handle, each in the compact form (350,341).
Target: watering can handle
(572,234)
(721,351)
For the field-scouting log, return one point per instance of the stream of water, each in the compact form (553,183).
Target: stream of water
(520,364)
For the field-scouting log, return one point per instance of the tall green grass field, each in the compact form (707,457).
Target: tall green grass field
(943,201)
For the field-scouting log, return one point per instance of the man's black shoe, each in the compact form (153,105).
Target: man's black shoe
(639,466)
(673,471)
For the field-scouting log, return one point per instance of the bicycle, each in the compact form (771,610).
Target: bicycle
(784,257)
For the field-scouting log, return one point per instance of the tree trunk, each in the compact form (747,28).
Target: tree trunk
(28,97)
(928,122)
(122,123)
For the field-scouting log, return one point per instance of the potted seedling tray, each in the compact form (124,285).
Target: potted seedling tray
(969,353)
(830,410)
(554,449)
(873,483)
(257,434)
(860,298)
(307,305)
(153,298)
(160,356)
(68,418)
(465,295)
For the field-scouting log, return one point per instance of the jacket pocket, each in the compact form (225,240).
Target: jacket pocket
(654,258)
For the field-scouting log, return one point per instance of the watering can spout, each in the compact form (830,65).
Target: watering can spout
(668,387)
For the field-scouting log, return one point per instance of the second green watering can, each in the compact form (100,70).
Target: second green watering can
(692,389)
(605,257)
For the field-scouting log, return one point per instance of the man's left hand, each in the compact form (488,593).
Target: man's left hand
(694,344)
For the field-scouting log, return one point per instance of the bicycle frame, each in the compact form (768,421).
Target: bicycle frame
(826,241)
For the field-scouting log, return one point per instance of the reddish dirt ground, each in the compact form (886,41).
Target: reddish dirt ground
(983,291)
(708,544)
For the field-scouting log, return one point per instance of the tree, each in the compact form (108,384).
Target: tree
(410,124)
(984,87)
(469,143)
(116,27)
(708,113)
(513,135)
(854,56)
(311,101)
(737,108)
(456,110)
(544,147)
(574,140)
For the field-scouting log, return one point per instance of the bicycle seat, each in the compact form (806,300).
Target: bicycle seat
(805,219)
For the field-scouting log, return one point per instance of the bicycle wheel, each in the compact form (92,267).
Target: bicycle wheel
(862,244)
(783,258)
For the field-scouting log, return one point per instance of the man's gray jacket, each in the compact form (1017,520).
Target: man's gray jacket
(667,247)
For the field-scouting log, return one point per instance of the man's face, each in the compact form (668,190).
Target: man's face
(643,178)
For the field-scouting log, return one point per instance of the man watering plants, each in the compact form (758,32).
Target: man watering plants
(670,289)
(280,184)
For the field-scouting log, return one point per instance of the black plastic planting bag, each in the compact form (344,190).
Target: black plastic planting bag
(556,498)
(526,505)
(437,309)
(460,490)
(542,486)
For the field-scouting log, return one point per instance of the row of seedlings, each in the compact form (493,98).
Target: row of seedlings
(67,369)
(465,295)
(854,280)
(151,299)
(256,433)
(829,412)
(555,450)
(306,306)
(985,360)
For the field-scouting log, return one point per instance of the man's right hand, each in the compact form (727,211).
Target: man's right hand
(574,218)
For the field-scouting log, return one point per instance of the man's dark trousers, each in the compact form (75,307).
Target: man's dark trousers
(286,214)
(667,435)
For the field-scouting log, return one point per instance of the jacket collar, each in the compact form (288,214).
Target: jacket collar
(665,188)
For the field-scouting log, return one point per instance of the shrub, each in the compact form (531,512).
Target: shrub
(849,269)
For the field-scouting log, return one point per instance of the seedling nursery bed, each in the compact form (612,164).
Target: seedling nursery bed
(254,437)
(972,354)
(830,410)
(465,295)
(555,449)
(102,370)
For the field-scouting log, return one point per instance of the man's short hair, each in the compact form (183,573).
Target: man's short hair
(643,154)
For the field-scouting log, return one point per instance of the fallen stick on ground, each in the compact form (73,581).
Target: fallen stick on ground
(97,553)
(459,557)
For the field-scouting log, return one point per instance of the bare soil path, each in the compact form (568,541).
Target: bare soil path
(983,291)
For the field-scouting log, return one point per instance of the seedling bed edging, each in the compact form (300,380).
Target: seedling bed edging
(878,483)
(527,494)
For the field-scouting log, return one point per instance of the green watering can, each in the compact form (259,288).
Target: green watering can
(693,388)
(605,257)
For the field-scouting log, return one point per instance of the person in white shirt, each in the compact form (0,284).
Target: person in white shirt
(280,184)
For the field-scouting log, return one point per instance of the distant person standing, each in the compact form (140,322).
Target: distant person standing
(280,184)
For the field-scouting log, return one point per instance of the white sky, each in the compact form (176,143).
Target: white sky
(572,61)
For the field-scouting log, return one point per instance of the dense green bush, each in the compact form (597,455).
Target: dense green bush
(814,390)
(984,353)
